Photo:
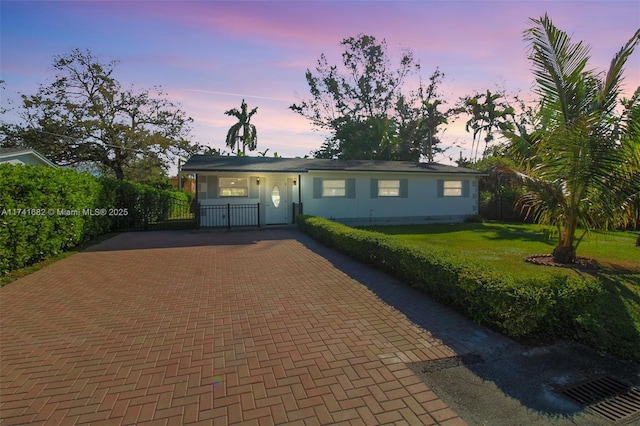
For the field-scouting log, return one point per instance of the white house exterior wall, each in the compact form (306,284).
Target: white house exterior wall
(258,194)
(422,204)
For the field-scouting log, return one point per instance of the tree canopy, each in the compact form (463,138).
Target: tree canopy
(365,106)
(87,118)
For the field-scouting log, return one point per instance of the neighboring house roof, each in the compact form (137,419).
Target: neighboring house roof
(213,163)
(24,156)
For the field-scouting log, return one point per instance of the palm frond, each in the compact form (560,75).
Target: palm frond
(558,66)
(611,86)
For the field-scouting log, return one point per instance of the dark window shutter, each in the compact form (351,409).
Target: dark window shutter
(465,188)
(199,180)
(374,188)
(317,187)
(404,188)
(351,188)
(440,188)
(212,186)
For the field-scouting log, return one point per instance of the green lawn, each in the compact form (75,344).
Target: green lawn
(506,245)
(613,323)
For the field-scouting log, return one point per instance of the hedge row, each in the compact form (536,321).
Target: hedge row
(143,204)
(45,211)
(531,308)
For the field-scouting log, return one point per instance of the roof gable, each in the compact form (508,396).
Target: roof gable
(18,154)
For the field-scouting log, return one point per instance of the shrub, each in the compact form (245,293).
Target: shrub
(39,213)
(144,204)
(45,211)
(534,308)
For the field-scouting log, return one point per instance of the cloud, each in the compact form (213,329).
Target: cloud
(240,95)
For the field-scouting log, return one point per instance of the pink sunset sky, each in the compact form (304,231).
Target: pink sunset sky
(209,55)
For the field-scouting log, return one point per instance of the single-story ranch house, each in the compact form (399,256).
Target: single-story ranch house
(243,191)
(24,156)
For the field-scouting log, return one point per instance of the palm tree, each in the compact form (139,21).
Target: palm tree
(583,167)
(486,116)
(249,137)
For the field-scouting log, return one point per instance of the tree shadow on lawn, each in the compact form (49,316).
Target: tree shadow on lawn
(491,231)
(517,232)
(522,373)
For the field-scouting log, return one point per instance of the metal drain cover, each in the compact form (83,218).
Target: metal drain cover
(606,397)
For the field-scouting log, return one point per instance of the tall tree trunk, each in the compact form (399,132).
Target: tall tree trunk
(119,172)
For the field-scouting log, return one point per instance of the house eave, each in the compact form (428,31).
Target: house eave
(200,164)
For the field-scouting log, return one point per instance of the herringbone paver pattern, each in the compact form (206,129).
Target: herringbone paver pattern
(177,328)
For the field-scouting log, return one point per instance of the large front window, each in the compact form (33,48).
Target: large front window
(233,187)
(334,188)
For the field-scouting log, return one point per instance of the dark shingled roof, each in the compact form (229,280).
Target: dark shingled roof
(212,163)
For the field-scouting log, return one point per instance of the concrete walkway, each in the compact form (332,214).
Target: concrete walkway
(254,327)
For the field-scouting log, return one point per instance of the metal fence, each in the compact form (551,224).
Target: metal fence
(148,214)
(228,215)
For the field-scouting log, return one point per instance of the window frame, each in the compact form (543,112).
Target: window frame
(395,187)
(325,188)
(222,186)
(452,188)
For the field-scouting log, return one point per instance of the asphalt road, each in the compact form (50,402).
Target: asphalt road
(513,385)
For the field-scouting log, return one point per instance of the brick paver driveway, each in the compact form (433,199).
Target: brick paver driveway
(256,327)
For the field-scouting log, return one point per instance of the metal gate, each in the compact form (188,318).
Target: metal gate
(229,215)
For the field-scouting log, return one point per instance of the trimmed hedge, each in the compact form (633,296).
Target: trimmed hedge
(144,204)
(45,211)
(533,308)
(33,206)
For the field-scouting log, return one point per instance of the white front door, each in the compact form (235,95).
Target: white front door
(277,201)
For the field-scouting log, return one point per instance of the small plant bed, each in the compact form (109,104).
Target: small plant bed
(479,269)
(581,263)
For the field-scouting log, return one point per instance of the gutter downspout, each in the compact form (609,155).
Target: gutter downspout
(300,194)
(196,205)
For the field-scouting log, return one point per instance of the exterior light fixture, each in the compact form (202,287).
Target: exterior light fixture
(295,181)
(258,181)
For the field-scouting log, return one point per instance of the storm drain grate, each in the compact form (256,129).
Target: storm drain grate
(606,397)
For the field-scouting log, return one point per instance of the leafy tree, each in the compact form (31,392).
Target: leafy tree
(149,171)
(582,169)
(420,124)
(9,133)
(249,136)
(364,106)
(373,138)
(86,117)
